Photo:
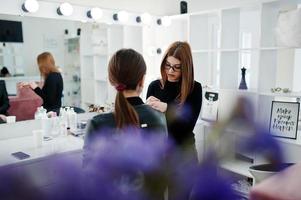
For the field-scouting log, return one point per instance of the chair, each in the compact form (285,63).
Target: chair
(25,104)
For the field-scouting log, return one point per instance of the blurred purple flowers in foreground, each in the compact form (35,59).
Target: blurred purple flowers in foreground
(141,166)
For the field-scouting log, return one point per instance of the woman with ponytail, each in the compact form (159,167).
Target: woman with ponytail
(126,73)
(131,116)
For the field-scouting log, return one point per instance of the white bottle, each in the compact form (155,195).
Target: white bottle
(46,123)
(63,121)
(72,120)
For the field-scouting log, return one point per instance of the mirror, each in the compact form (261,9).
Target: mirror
(61,38)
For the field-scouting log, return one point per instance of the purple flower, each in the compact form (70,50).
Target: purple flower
(263,143)
(211,185)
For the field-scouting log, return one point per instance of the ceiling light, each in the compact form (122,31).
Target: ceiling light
(166,21)
(65,9)
(122,16)
(30,6)
(145,18)
(95,13)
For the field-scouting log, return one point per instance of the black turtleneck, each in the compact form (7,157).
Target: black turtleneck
(180,119)
(135,101)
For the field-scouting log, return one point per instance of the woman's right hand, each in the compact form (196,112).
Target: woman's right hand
(23,85)
(3,118)
(31,85)
(156,104)
(151,99)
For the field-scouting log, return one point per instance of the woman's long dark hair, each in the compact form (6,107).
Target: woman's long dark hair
(182,52)
(126,70)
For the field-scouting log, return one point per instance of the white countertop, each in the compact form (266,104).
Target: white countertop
(26,144)
(18,137)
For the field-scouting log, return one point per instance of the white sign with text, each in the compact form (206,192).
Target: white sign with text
(284,119)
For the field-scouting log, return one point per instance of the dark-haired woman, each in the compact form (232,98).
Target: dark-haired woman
(179,96)
(177,93)
(126,73)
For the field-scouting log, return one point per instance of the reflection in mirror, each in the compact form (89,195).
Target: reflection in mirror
(22,39)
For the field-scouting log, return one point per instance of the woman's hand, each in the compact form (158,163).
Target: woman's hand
(3,117)
(31,85)
(156,104)
(23,85)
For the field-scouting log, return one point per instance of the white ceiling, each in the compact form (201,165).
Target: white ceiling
(160,7)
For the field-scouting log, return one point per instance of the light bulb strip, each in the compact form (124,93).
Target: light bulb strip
(102,15)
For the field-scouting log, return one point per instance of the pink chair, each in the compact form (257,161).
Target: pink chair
(25,104)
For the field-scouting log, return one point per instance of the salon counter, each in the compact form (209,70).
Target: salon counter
(41,168)
(18,136)
(25,144)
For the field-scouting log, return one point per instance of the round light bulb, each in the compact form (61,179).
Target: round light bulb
(66,9)
(31,6)
(96,13)
(151,51)
(166,21)
(146,18)
(123,16)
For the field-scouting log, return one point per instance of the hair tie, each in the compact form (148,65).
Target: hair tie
(120,87)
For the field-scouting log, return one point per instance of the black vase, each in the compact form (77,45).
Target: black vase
(243,84)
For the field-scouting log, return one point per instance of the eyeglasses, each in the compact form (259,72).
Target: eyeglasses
(175,68)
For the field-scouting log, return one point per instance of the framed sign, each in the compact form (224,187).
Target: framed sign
(284,119)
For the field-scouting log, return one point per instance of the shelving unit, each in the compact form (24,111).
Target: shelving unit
(71,72)
(11,57)
(98,43)
(225,40)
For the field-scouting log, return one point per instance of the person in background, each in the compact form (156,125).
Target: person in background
(4,72)
(4,102)
(177,94)
(52,90)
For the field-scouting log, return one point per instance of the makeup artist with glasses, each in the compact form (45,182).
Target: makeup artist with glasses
(177,94)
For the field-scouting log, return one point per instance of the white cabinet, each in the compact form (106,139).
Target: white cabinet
(71,72)
(98,43)
(225,40)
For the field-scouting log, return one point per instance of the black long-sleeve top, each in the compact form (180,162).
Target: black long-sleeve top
(4,101)
(180,119)
(52,92)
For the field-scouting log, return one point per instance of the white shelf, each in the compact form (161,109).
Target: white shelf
(98,43)
(277,48)
(96,54)
(238,167)
(276,94)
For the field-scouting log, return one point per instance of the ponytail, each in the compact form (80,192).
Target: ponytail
(125,113)
(126,70)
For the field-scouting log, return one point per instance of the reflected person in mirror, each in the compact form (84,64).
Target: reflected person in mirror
(52,90)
